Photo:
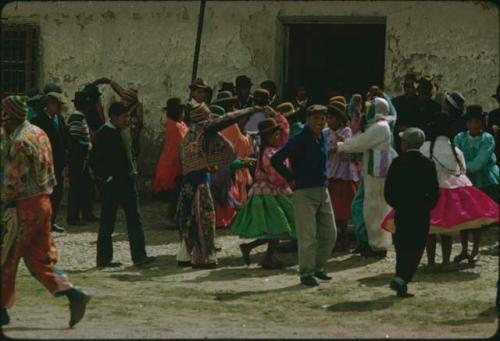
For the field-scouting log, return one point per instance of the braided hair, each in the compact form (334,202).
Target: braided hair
(441,126)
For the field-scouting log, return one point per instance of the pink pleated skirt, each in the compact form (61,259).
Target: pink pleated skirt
(457,209)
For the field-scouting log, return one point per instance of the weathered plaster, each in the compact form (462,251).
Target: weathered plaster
(150,45)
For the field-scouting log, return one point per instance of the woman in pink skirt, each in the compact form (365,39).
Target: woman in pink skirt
(461,206)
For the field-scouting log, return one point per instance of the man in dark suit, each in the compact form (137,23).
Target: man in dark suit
(113,164)
(412,189)
(52,122)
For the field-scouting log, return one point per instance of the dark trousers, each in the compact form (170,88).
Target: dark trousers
(80,192)
(57,194)
(409,241)
(115,193)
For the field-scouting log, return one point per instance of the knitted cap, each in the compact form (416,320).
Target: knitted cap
(15,107)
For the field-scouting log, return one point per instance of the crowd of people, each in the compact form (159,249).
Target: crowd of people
(291,174)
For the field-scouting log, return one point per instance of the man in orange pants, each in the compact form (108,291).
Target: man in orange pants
(27,181)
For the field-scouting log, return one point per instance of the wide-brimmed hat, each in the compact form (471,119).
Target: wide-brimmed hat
(316,109)
(81,97)
(268,125)
(55,95)
(474,111)
(174,103)
(287,109)
(225,96)
(217,110)
(261,96)
(338,109)
(339,99)
(33,94)
(199,83)
(456,99)
(52,87)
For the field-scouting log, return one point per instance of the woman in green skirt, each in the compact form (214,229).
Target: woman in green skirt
(267,216)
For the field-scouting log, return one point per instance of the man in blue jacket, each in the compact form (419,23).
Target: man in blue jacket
(314,219)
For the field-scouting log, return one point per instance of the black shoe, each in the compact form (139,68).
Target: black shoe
(401,289)
(4,317)
(145,261)
(109,265)
(78,300)
(380,254)
(57,228)
(245,253)
(204,266)
(309,281)
(183,264)
(290,247)
(322,275)
(472,259)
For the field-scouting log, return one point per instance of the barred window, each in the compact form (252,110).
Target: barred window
(19,58)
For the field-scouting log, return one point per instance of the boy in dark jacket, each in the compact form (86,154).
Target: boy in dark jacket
(112,162)
(412,189)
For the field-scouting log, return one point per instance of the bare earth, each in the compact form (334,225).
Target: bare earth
(235,301)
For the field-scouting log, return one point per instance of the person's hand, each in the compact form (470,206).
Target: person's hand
(270,111)
(339,137)
(257,108)
(103,80)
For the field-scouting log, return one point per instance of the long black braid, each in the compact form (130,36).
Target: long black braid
(262,146)
(441,127)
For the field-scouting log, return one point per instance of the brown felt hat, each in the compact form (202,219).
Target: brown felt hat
(225,96)
(199,83)
(287,109)
(338,109)
(268,125)
(338,99)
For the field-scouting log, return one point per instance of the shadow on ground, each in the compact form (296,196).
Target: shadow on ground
(445,277)
(487,316)
(229,296)
(362,306)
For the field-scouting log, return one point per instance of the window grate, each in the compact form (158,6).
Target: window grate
(19,59)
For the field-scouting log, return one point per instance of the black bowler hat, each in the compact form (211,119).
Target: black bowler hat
(174,103)
(474,111)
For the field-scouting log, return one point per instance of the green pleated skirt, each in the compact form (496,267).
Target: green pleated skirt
(265,217)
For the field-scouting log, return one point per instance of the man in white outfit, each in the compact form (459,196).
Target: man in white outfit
(375,143)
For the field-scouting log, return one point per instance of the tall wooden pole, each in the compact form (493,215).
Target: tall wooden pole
(198,40)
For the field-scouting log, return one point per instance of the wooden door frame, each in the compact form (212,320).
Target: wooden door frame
(283,38)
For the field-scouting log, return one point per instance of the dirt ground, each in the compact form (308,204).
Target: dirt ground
(236,301)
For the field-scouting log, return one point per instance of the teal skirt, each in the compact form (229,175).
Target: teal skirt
(265,217)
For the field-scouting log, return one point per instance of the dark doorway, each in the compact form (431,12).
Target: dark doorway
(332,59)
